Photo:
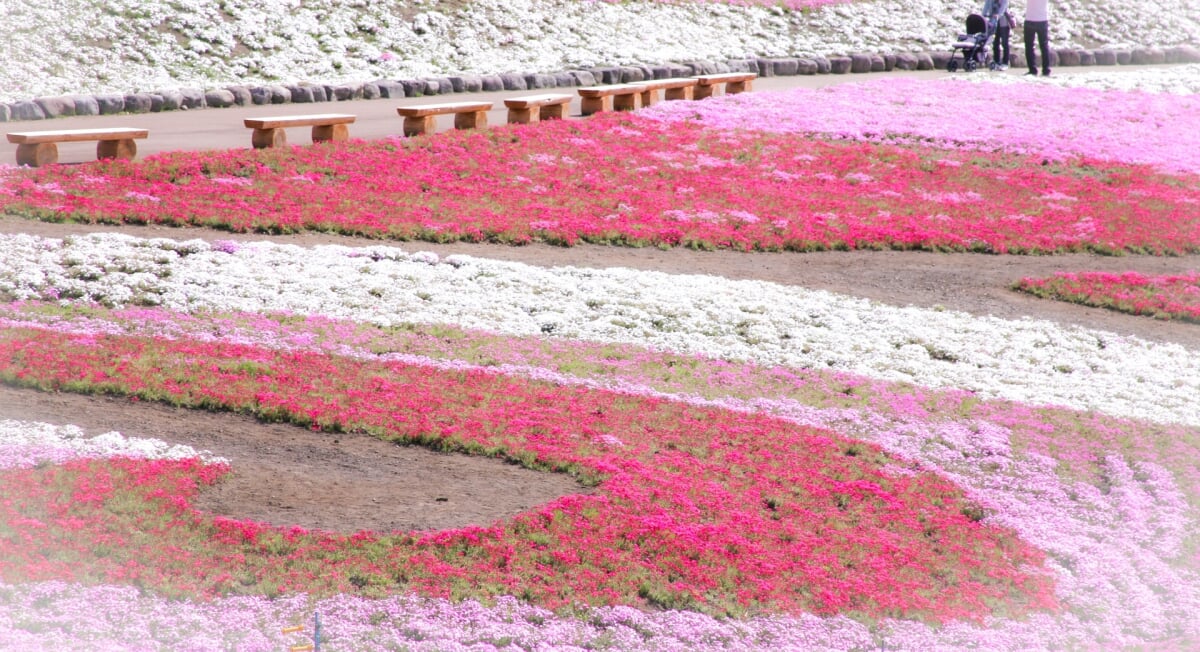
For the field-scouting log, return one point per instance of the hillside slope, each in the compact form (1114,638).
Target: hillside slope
(82,46)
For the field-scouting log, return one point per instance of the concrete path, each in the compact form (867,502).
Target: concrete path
(222,128)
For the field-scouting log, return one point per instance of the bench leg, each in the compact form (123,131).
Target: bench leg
(470,120)
(123,149)
(37,154)
(264,138)
(523,116)
(650,97)
(684,93)
(422,125)
(627,102)
(553,111)
(323,133)
(736,87)
(707,90)
(590,105)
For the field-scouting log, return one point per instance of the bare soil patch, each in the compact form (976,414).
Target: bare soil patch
(286,475)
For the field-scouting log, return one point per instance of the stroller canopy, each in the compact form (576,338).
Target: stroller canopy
(976,24)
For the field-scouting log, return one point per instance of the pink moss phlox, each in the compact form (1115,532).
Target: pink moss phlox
(670,184)
(1168,296)
(699,507)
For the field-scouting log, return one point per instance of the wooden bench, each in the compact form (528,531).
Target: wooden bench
(733,83)
(36,148)
(268,132)
(532,108)
(622,97)
(676,88)
(421,119)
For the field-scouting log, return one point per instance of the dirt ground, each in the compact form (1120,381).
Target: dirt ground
(290,476)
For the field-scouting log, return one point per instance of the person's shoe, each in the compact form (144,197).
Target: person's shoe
(1045,73)
(1031,73)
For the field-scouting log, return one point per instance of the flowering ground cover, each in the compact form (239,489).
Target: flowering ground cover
(1161,130)
(640,181)
(1108,500)
(1162,297)
(1024,360)
(701,508)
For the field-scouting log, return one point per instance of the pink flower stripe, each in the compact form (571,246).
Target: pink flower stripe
(1156,129)
(1162,297)
(702,508)
(632,180)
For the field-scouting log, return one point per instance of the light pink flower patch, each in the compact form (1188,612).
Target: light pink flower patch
(1057,123)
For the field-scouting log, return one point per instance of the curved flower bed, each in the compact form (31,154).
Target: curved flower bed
(1162,297)
(1018,488)
(699,508)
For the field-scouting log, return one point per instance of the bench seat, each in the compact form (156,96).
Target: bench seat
(675,88)
(420,119)
(35,148)
(731,82)
(621,97)
(268,132)
(532,108)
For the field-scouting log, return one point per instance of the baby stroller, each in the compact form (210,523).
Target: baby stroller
(974,45)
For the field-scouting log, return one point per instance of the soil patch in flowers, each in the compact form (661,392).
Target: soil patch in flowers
(289,476)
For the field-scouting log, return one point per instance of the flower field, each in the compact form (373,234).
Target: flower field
(676,175)
(768,467)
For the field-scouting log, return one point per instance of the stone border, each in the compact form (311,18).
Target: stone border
(184,99)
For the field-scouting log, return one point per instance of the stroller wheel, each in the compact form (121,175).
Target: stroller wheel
(969,66)
(952,66)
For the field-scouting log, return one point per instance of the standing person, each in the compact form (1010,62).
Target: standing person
(996,12)
(1037,23)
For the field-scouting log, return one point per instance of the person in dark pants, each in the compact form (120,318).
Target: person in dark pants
(996,13)
(1037,25)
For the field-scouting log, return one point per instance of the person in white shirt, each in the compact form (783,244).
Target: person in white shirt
(996,13)
(1037,24)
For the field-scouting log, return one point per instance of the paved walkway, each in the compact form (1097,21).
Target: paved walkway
(222,128)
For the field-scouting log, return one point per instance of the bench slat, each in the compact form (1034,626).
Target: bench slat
(76,135)
(614,89)
(531,101)
(441,109)
(674,82)
(282,121)
(705,80)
